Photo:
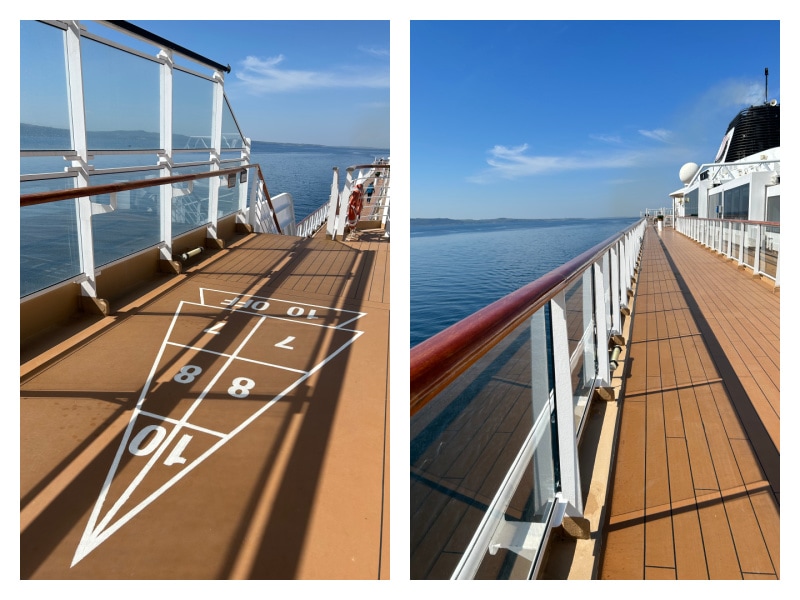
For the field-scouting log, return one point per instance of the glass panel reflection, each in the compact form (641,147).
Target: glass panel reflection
(130,227)
(48,250)
(580,334)
(190,201)
(122,97)
(192,111)
(481,472)
(43,104)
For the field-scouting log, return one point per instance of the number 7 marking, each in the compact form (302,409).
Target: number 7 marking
(285,343)
(214,328)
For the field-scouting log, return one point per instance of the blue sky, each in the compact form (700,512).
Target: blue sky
(307,82)
(540,119)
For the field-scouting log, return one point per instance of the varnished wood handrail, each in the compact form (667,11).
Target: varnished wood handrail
(267,196)
(436,362)
(113,188)
(767,223)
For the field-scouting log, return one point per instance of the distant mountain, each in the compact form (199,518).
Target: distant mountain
(499,221)
(39,137)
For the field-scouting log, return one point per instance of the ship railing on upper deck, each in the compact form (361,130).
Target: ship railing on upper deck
(309,226)
(106,181)
(498,406)
(753,244)
(71,235)
(375,205)
(719,173)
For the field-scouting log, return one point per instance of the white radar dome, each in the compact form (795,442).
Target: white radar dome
(688,171)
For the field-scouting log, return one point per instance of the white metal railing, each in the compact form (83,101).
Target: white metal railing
(70,240)
(547,346)
(375,181)
(309,226)
(754,244)
(719,173)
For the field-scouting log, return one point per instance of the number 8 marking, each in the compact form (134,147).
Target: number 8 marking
(241,387)
(187,374)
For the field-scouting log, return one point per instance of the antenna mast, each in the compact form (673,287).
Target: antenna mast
(766,84)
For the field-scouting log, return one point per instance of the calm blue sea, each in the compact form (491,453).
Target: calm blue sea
(459,267)
(48,240)
(306,171)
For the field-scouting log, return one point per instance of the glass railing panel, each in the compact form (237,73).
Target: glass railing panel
(751,232)
(121,94)
(228,202)
(181,156)
(464,444)
(130,227)
(726,237)
(770,247)
(123,160)
(190,201)
(736,239)
(580,334)
(29,165)
(192,111)
(43,105)
(48,241)
(231,135)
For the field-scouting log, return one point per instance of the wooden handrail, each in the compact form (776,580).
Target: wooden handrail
(372,166)
(436,362)
(768,223)
(111,188)
(267,196)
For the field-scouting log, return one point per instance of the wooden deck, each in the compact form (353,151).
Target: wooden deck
(696,476)
(229,423)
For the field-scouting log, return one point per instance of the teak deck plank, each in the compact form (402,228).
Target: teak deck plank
(699,437)
(300,491)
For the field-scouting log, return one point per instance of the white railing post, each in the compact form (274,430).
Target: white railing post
(616,325)
(343,200)
(333,206)
(741,243)
(601,324)
(565,413)
(80,166)
(757,253)
(215,154)
(165,160)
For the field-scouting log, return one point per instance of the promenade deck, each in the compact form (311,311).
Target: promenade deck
(231,422)
(696,473)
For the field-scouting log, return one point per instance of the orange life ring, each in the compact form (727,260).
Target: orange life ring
(354,205)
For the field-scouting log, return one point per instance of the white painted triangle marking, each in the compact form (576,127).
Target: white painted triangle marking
(96,533)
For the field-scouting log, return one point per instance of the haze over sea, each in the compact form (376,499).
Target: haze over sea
(458,267)
(303,170)
(306,171)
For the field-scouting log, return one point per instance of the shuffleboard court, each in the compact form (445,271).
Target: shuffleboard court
(188,438)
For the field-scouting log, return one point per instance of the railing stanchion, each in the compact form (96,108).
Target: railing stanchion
(565,414)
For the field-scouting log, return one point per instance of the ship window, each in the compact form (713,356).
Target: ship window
(774,209)
(690,208)
(715,205)
(737,202)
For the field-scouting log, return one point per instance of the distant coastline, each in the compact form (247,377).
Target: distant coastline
(424,222)
(43,137)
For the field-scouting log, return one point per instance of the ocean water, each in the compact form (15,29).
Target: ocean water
(48,241)
(306,171)
(459,267)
